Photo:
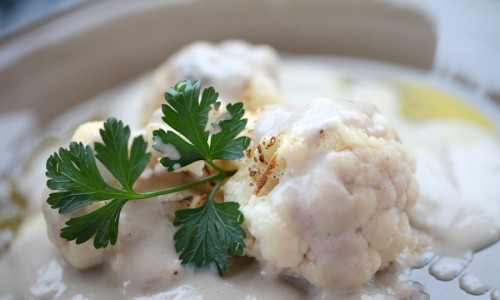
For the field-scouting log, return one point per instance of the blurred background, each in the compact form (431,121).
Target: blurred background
(15,14)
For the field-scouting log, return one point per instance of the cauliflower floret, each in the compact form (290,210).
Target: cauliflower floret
(83,256)
(325,190)
(160,264)
(240,72)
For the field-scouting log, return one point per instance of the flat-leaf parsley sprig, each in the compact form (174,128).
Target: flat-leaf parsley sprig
(210,233)
(207,234)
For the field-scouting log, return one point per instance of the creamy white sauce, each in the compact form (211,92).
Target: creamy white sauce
(33,268)
(168,149)
(458,171)
(214,126)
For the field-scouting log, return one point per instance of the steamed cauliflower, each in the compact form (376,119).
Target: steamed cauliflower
(325,191)
(83,256)
(240,71)
(126,259)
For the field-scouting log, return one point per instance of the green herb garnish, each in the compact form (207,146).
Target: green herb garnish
(207,234)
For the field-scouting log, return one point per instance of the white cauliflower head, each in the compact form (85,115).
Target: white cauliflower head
(127,259)
(240,71)
(83,256)
(324,190)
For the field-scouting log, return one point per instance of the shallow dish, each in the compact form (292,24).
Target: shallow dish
(48,69)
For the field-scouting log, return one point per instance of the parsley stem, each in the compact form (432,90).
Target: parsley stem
(179,188)
(215,189)
(216,167)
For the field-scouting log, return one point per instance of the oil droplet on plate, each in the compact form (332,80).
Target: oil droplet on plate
(495,294)
(472,285)
(447,268)
(424,259)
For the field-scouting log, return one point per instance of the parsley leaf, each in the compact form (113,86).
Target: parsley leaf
(114,154)
(74,174)
(103,222)
(210,233)
(188,116)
